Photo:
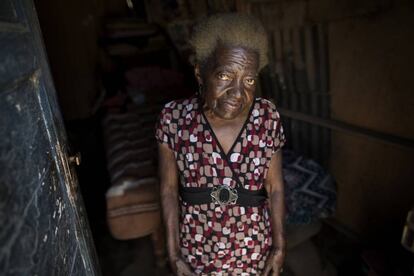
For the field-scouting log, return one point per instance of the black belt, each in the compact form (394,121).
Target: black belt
(223,195)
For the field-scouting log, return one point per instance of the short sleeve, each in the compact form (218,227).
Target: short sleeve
(162,128)
(278,135)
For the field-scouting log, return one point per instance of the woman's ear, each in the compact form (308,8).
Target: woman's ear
(197,74)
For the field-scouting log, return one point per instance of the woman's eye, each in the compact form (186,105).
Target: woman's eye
(223,76)
(250,81)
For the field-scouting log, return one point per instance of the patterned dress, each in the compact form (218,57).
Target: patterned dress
(215,240)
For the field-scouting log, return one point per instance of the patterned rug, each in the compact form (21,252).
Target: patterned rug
(310,192)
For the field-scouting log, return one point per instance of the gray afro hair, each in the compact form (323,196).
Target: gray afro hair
(229,29)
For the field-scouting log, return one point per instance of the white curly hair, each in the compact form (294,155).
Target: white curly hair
(230,29)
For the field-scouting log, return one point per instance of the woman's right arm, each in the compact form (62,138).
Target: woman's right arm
(168,175)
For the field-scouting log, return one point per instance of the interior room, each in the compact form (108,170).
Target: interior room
(339,75)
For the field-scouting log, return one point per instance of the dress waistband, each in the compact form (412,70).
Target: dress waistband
(223,195)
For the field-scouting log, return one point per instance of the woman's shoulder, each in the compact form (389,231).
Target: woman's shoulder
(268,111)
(179,105)
(267,106)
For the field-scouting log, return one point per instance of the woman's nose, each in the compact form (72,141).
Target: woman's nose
(237,89)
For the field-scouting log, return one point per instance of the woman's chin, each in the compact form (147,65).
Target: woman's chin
(228,113)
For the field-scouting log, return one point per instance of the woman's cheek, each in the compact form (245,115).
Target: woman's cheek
(211,103)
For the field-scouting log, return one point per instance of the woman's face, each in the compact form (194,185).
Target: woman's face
(229,82)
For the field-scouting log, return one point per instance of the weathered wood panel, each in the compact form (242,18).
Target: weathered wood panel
(43,228)
(371,86)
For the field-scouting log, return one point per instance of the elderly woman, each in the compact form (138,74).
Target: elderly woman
(220,159)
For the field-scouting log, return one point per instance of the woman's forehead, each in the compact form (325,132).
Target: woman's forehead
(235,58)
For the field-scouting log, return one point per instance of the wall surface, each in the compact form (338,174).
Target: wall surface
(371,59)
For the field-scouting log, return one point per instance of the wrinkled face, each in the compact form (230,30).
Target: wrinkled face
(229,82)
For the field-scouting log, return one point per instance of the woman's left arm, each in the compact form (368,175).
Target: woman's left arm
(275,189)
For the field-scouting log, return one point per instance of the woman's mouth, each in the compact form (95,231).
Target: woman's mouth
(232,104)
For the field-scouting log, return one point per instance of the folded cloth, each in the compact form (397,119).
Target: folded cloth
(133,209)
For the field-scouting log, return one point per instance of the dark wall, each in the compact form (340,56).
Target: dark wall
(370,54)
(371,85)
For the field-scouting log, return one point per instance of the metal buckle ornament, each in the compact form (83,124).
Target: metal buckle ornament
(224,195)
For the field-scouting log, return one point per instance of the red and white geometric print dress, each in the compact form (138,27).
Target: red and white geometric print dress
(228,240)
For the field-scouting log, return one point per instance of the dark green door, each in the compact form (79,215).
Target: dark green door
(43,227)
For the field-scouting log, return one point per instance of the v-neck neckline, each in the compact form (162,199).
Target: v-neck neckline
(222,152)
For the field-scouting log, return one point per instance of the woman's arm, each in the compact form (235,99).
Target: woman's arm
(275,189)
(169,200)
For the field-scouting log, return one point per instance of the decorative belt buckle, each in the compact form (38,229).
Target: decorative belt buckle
(224,195)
